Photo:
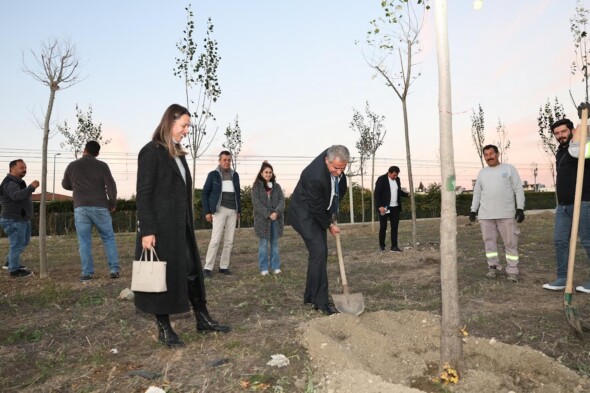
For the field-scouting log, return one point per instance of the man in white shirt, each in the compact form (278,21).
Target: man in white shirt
(493,203)
(388,193)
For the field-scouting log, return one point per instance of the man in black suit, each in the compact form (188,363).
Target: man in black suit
(313,204)
(388,193)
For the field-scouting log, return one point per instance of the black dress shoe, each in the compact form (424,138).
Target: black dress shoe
(207,273)
(225,271)
(327,309)
(395,249)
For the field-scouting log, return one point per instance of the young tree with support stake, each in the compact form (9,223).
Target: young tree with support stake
(57,68)
(405,18)
(199,74)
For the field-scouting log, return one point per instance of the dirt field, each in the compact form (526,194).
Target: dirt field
(59,335)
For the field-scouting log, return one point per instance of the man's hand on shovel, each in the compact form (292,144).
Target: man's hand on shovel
(334,228)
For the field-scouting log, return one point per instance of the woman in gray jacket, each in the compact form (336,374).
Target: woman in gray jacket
(268,202)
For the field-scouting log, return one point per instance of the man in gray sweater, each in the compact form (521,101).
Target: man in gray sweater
(493,196)
(95,197)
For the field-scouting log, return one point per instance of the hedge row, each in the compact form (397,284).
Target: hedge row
(60,216)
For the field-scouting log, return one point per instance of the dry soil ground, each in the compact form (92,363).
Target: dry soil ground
(60,335)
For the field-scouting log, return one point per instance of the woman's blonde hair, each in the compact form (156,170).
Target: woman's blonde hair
(162,134)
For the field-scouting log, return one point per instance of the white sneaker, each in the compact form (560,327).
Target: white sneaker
(584,288)
(557,285)
(5,266)
(277,271)
(264,273)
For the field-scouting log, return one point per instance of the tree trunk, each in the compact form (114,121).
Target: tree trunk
(362,195)
(410,176)
(43,269)
(373,194)
(451,349)
(350,197)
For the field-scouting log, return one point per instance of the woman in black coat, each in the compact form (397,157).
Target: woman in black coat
(165,222)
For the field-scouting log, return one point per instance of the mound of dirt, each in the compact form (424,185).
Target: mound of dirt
(398,352)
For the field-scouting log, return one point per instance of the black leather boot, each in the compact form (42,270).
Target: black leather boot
(165,333)
(205,324)
(204,321)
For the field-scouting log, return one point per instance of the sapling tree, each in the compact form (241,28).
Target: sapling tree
(55,66)
(478,132)
(394,41)
(372,133)
(85,131)
(233,141)
(198,71)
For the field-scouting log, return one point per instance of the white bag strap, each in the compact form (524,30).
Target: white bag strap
(149,255)
(152,254)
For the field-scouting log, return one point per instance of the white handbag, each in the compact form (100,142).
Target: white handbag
(148,275)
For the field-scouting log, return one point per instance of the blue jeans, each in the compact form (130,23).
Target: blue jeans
(562,233)
(85,217)
(19,235)
(275,262)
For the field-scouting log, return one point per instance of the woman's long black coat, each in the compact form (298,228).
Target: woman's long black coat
(164,210)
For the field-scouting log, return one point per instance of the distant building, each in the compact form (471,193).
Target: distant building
(50,197)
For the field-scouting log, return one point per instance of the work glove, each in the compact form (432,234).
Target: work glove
(519,215)
(583,105)
(472,216)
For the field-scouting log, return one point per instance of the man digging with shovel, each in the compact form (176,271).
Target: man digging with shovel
(314,200)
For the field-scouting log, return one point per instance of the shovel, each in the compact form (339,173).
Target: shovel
(348,303)
(571,313)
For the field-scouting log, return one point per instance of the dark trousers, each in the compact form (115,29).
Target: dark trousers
(393,218)
(316,285)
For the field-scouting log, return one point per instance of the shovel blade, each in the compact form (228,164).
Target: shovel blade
(573,319)
(349,303)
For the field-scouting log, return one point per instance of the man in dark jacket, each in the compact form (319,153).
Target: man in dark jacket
(95,198)
(17,210)
(222,207)
(313,204)
(567,171)
(388,193)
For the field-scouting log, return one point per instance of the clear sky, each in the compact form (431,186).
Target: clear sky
(293,74)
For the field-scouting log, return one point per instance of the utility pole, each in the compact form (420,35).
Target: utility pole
(53,191)
(535,169)
(350,175)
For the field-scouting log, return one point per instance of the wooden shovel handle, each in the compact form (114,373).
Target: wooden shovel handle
(341,264)
(569,284)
